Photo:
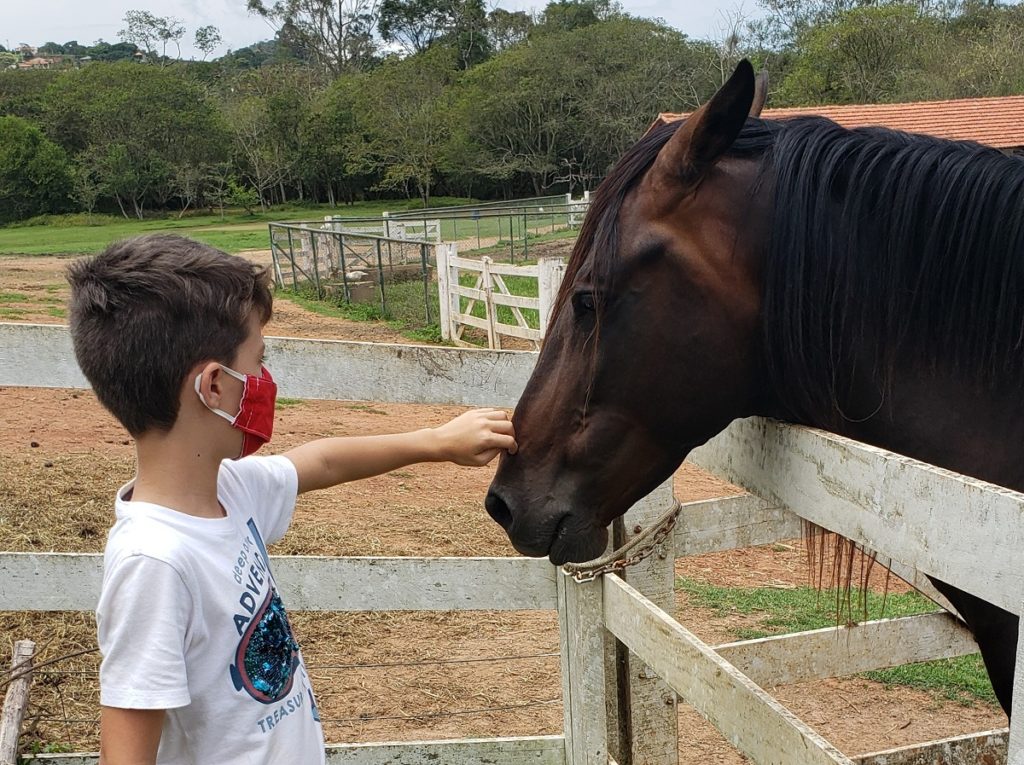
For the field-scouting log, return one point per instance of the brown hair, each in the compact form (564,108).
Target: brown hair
(146,310)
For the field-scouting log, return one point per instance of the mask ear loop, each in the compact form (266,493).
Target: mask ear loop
(230,418)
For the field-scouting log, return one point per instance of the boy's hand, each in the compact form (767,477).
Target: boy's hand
(476,437)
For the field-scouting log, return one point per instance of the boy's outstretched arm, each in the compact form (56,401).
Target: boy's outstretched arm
(473,438)
(130,736)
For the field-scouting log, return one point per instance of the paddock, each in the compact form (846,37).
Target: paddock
(867,494)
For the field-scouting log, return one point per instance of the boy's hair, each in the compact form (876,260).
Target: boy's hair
(146,310)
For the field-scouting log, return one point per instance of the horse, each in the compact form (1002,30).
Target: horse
(867,282)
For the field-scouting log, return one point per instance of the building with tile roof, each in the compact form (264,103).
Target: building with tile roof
(997,121)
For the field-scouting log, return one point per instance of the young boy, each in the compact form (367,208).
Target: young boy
(199,661)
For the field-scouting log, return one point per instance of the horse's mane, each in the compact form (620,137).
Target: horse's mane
(885,247)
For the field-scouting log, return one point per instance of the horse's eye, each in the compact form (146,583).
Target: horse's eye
(583,302)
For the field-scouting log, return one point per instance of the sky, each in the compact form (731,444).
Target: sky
(39,21)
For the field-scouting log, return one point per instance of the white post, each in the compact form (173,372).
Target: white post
(550,272)
(654,739)
(16,701)
(493,339)
(1015,747)
(444,291)
(587,651)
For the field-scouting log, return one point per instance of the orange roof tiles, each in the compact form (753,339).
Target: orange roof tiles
(997,122)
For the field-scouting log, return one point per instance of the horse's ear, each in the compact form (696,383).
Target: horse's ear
(760,94)
(710,131)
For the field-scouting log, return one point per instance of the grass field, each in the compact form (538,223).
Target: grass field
(782,611)
(56,235)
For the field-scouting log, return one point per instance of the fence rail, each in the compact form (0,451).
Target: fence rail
(884,501)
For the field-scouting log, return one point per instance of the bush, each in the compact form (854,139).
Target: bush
(35,174)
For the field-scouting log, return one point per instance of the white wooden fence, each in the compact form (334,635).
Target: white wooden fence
(490,290)
(930,521)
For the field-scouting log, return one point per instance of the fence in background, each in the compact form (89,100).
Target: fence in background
(489,304)
(393,274)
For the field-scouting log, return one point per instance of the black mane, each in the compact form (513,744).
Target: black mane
(886,247)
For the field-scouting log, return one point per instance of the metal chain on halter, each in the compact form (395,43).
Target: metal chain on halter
(635,550)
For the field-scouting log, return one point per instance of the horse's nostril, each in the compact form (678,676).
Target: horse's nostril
(498,510)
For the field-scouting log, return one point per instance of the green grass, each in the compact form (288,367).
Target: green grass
(365,408)
(57,313)
(405,315)
(284,402)
(11,313)
(781,611)
(14,297)
(79,234)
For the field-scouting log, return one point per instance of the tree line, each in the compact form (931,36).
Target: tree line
(359,98)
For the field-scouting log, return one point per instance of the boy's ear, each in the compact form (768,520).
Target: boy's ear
(206,380)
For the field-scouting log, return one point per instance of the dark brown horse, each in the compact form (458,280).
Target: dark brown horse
(867,282)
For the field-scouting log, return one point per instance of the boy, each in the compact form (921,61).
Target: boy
(199,661)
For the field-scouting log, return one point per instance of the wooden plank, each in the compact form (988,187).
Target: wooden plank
(987,748)
(16,700)
(840,651)
(528,750)
(931,519)
(442,254)
(749,718)
(522,332)
(532,750)
(309,583)
(40,355)
(585,649)
(469,264)
(727,523)
(653,716)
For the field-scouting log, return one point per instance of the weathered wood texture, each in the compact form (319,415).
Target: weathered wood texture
(530,750)
(839,651)
(1016,740)
(898,506)
(988,748)
(585,650)
(653,718)
(711,525)
(310,583)
(16,700)
(35,355)
(534,750)
(749,718)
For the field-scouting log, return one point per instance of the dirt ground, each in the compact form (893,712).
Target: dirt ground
(62,457)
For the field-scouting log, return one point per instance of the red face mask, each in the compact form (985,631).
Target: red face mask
(255,416)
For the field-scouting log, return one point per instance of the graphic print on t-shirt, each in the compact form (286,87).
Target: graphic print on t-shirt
(267,653)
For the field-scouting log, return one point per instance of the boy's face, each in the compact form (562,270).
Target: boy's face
(248,361)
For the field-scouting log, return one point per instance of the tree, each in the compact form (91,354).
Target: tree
(135,124)
(864,56)
(207,39)
(146,30)
(337,33)
(403,119)
(35,175)
(567,15)
(418,24)
(507,28)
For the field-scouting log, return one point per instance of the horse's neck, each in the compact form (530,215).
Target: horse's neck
(940,420)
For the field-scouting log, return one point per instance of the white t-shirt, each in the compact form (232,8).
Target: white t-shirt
(189,621)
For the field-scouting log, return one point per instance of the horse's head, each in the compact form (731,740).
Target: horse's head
(653,343)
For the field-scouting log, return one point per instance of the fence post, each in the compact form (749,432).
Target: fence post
(550,272)
(380,279)
(493,339)
(587,654)
(16,701)
(653,736)
(1015,746)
